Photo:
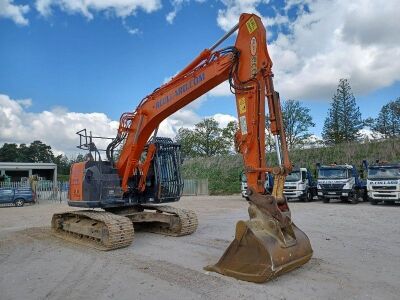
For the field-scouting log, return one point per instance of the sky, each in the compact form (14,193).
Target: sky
(66,65)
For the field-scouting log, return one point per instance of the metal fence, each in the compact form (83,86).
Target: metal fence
(45,190)
(48,191)
(195,187)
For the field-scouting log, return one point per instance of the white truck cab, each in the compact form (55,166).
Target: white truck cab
(269,183)
(339,182)
(383,182)
(299,185)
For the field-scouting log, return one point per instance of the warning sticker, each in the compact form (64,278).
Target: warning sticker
(242,105)
(243,125)
(251,25)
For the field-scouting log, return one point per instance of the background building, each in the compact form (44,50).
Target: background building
(17,171)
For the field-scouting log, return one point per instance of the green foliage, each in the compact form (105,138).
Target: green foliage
(344,118)
(205,140)
(223,171)
(228,134)
(296,120)
(63,164)
(186,139)
(36,152)
(62,177)
(39,152)
(388,121)
(9,152)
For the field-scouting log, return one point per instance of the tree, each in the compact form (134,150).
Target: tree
(9,153)
(185,138)
(35,152)
(296,120)
(40,152)
(206,139)
(23,153)
(229,132)
(388,121)
(63,164)
(344,117)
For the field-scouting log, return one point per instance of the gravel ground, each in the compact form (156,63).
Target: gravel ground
(356,256)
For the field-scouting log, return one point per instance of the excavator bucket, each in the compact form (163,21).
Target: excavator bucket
(264,247)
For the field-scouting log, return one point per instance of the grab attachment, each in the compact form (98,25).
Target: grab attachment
(266,246)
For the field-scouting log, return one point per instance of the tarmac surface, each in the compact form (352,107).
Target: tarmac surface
(356,256)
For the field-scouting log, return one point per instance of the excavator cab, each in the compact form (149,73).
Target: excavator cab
(95,183)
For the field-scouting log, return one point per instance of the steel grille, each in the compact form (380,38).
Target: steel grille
(377,187)
(167,169)
(333,186)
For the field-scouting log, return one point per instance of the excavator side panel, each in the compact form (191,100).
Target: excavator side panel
(75,192)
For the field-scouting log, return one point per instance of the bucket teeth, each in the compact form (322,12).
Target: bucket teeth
(266,246)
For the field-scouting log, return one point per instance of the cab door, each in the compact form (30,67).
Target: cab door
(6,195)
(304,179)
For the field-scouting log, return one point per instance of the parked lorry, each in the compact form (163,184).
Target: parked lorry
(269,183)
(300,185)
(16,196)
(340,182)
(383,182)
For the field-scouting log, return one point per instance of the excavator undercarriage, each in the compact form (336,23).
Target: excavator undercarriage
(114,228)
(95,184)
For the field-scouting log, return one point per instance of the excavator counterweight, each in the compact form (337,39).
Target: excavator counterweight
(143,170)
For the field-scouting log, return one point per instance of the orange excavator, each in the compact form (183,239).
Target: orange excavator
(142,170)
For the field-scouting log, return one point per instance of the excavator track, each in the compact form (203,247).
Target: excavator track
(97,229)
(187,221)
(163,219)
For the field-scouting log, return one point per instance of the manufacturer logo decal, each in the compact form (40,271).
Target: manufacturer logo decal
(181,90)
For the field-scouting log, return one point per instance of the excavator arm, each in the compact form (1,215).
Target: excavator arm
(247,66)
(269,243)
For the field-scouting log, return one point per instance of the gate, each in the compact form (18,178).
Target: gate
(195,187)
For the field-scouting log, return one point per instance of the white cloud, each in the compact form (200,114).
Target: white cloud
(25,102)
(14,12)
(329,40)
(223,119)
(171,16)
(120,8)
(176,7)
(57,127)
(221,90)
(367,134)
(131,30)
(229,17)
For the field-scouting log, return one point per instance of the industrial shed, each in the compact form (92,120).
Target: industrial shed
(17,171)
